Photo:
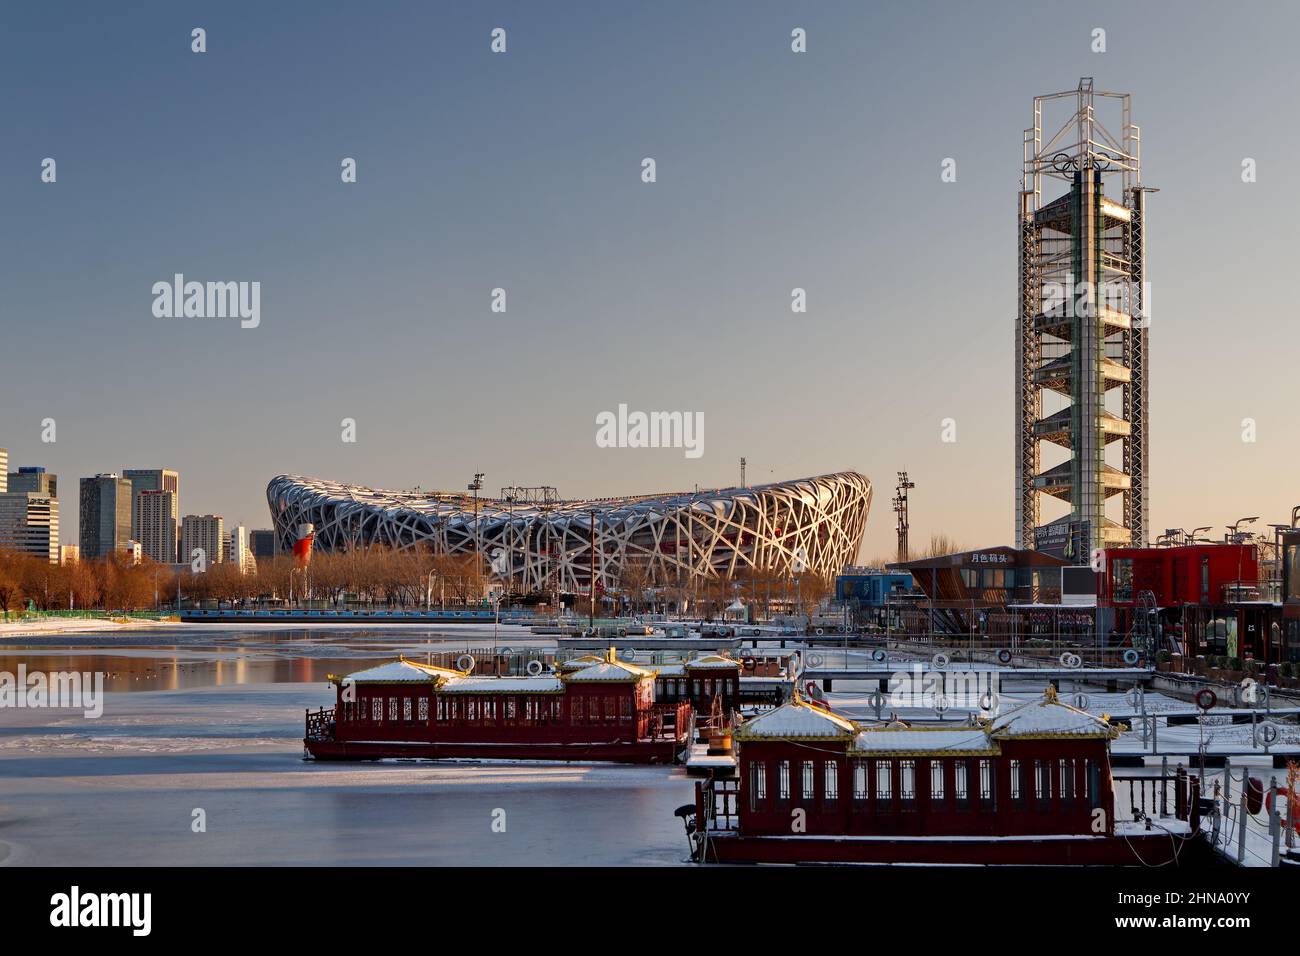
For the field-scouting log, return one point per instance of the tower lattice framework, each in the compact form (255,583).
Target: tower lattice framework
(1082,329)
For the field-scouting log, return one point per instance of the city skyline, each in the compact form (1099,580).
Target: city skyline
(376,295)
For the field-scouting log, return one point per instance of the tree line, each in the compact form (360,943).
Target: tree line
(373,577)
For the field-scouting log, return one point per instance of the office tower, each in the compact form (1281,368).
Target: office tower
(158,479)
(205,532)
(35,479)
(261,541)
(236,549)
(153,523)
(105,515)
(29,524)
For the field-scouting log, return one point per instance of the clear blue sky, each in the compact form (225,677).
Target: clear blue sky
(521,171)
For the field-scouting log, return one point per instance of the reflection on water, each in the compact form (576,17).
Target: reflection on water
(183,660)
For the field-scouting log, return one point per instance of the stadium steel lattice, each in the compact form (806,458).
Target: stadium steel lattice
(811,525)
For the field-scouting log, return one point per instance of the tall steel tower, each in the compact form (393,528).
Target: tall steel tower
(1081,334)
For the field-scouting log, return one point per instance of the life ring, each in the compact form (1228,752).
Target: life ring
(820,631)
(1081,701)
(1004,656)
(1206,698)
(748,663)
(939,661)
(505,652)
(1131,656)
(628,654)
(465,662)
(535,668)
(988,702)
(815,660)
(879,656)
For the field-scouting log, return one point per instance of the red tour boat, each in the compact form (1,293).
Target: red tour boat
(1030,786)
(598,709)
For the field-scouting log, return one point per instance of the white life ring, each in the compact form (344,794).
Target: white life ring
(535,668)
(815,660)
(1004,656)
(505,651)
(628,654)
(1130,656)
(939,661)
(465,662)
(820,631)
(879,656)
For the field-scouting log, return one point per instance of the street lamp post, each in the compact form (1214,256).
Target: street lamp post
(475,486)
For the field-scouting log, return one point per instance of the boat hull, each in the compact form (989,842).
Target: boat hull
(1153,849)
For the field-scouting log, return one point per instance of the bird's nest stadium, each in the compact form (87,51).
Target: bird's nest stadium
(810,525)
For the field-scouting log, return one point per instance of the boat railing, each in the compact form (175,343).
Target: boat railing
(320,725)
(721,804)
(1149,796)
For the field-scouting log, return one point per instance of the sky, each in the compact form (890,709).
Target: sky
(522,171)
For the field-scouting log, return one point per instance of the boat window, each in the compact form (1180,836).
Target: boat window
(783,780)
(392,708)
(860,781)
(1094,785)
(424,708)
(377,708)
(961,786)
(1042,783)
(1017,793)
(806,785)
(406,708)
(831,782)
(988,795)
(1067,780)
(884,781)
(907,783)
(936,779)
(757,785)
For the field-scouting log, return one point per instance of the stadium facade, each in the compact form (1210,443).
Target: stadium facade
(810,525)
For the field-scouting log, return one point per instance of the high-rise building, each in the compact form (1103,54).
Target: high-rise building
(157,479)
(31,478)
(29,524)
(153,524)
(1081,343)
(105,515)
(4,470)
(203,532)
(261,541)
(236,549)
(69,554)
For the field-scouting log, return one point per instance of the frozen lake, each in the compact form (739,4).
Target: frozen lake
(213,721)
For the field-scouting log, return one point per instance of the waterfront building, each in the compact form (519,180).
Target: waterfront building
(205,533)
(34,478)
(105,514)
(261,541)
(69,554)
(29,524)
(153,521)
(158,479)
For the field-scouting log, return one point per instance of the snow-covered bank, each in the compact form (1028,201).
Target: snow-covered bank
(75,625)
